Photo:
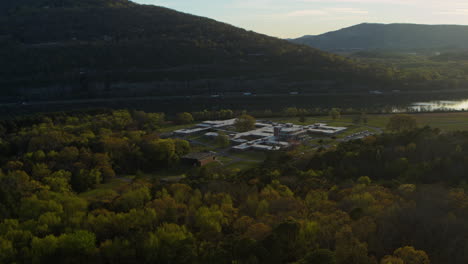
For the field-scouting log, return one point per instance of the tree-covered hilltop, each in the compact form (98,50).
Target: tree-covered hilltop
(113,42)
(451,67)
(12,7)
(65,197)
(410,37)
(431,54)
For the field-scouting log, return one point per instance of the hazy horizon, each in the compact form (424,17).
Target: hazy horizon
(296,18)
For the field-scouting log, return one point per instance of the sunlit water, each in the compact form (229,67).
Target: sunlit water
(459,105)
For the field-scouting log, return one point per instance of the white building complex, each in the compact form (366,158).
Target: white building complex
(266,136)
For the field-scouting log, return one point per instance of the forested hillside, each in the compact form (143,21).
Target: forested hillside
(451,66)
(11,7)
(66,196)
(409,37)
(77,46)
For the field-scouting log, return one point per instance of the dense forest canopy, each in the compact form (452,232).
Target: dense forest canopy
(395,198)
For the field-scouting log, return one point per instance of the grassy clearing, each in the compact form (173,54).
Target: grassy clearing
(168,173)
(250,155)
(224,160)
(203,140)
(200,148)
(444,121)
(242,165)
(107,190)
(171,127)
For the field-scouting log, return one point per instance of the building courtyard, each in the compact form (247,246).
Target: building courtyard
(266,136)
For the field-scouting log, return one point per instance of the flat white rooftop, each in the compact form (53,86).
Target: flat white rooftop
(264,147)
(239,140)
(261,132)
(220,123)
(189,131)
(242,147)
(291,129)
(260,124)
(325,129)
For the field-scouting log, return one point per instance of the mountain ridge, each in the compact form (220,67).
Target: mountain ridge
(150,44)
(404,36)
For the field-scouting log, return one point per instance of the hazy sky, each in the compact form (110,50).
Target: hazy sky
(294,18)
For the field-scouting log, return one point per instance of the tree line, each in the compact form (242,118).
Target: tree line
(393,198)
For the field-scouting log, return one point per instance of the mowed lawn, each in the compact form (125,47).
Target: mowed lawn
(444,121)
(107,191)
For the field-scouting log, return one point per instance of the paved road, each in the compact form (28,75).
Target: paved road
(196,142)
(225,152)
(227,95)
(235,159)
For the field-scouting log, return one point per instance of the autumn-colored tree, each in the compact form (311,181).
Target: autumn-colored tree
(210,221)
(365,180)
(222,140)
(335,113)
(59,181)
(85,179)
(290,111)
(7,251)
(410,255)
(182,147)
(245,123)
(77,246)
(391,260)
(349,250)
(319,256)
(181,192)
(401,122)
(14,165)
(258,231)
(118,250)
(132,199)
(148,121)
(170,243)
(44,249)
(40,171)
(184,118)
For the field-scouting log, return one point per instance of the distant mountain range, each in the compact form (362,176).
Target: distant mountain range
(390,37)
(106,45)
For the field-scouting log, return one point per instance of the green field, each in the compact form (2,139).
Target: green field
(242,165)
(171,127)
(107,191)
(251,155)
(444,121)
